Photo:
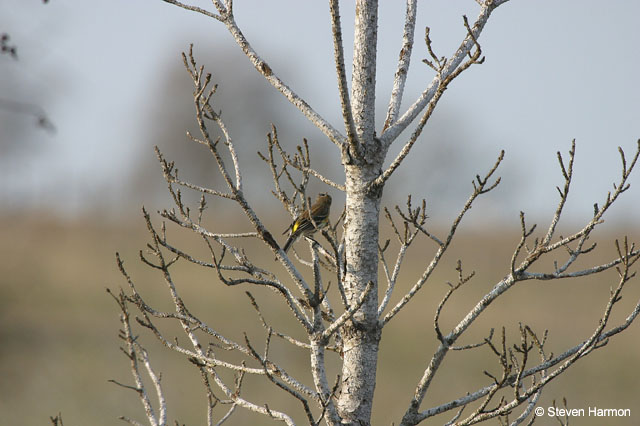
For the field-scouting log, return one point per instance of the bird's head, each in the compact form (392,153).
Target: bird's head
(324,197)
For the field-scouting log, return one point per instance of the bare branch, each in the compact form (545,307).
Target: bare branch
(227,415)
(415,217)
(194,9)
(442,84)
(589,345)
(462,280)
(302,159)
(299,162)
(581,236)
(198,356)
(584,272)
(452,65)
(319,373)
(345,102)
(480,188)
(403,64)
(226,17)
(338,259)
(348,314)
(136,353)
(627,256)
(567,173)
(233,395)
(273,372)
(203,109)
(474,396)
(283,336)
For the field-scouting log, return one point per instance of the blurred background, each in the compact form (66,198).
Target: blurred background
(94,86)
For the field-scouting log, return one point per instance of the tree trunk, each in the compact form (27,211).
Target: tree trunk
(361,336)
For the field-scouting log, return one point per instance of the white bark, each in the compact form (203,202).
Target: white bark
(363,81)
(361,336)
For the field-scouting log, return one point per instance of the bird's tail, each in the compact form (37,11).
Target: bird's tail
(290,241)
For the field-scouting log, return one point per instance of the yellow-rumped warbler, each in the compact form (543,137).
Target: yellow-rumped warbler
(304,226)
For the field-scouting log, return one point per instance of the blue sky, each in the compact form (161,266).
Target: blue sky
(554,71)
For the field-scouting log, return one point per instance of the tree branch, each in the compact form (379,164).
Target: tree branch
(480,188)
(345,102)
(627,256)
(348,314)
(135,352)
(404,60)
(194,9)
(453,63)
(443,81)
(263,68)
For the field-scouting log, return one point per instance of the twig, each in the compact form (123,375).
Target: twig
(453,63)
(267,72)
(442,83)
(480,187)
(194,9)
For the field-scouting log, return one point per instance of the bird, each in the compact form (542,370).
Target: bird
(304,226)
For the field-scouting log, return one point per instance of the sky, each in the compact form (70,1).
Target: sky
(554,71)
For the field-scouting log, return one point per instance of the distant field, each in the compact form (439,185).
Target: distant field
(59,346)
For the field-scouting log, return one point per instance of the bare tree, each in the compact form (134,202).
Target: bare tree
(336,302)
